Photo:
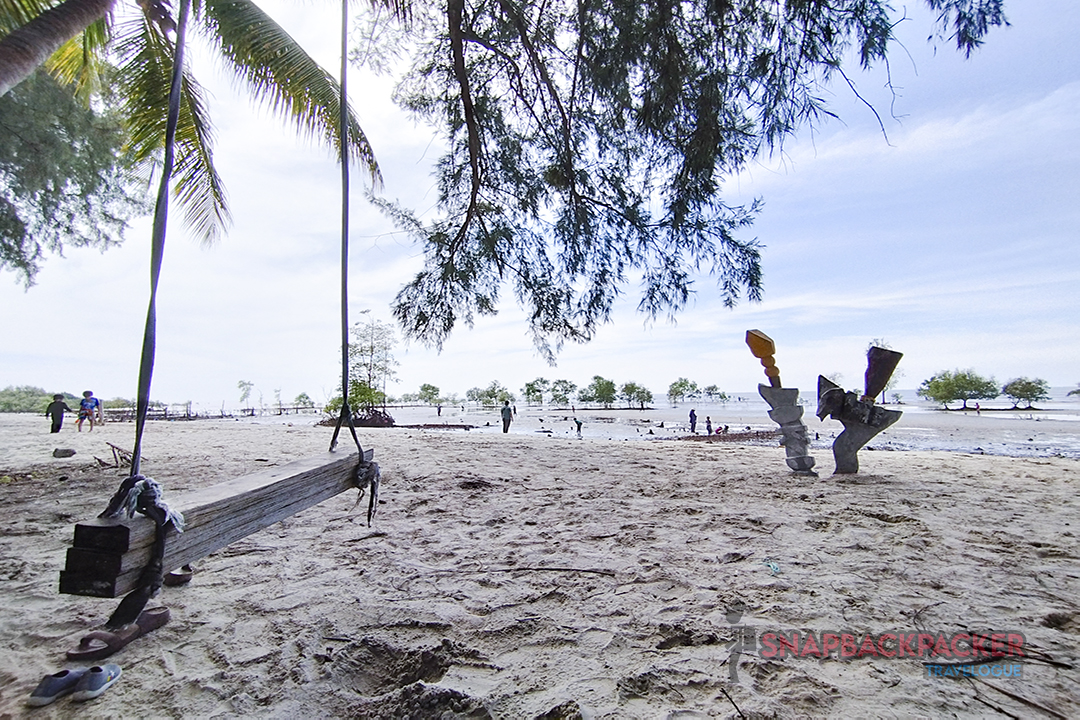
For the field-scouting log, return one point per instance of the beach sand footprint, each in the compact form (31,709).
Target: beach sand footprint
(373,667)
(419,700)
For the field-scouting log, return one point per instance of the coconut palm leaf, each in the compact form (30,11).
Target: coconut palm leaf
(16,13)
(146,59)
(26,45)
(282,75)
(262,55)
(81,60)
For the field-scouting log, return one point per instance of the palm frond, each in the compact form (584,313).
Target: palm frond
(16,13)
(81,60)
(283,76)
(146,58)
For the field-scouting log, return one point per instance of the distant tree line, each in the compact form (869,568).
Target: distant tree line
(429,394)
(27,398)
(964,385)
(565,393)
(493,394)
(683,389)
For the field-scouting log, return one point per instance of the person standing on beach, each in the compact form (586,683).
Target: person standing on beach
(578,423)
(507,416)
(56,410)
(89,407)
(708,425)
(693,421)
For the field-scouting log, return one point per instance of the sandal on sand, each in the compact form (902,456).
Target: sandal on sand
(97,680)
(55,686)
(103,643)
(178,577)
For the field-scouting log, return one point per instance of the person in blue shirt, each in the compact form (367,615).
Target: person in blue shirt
(90,408)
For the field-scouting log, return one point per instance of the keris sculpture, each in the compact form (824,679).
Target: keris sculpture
(784,402)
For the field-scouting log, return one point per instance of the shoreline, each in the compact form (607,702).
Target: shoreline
(1053,431)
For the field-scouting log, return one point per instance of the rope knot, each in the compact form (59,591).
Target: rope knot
(140,493)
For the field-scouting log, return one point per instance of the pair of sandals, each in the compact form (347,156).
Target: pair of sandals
(86,683)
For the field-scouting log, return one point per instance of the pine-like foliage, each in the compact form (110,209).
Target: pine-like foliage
(62,181)
(588,142)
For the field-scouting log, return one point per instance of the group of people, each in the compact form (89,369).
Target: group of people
(89,409)
(708,425)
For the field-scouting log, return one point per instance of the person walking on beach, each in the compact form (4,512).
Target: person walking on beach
(507,416)
(89,407)
(56,411)
(693,421)
(708,425)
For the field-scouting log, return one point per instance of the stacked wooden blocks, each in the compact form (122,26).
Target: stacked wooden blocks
(108,556)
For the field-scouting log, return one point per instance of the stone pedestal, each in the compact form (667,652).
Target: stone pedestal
(787,413)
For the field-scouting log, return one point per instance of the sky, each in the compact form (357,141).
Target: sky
(953,236)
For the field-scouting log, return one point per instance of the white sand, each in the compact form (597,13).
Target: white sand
(512,575)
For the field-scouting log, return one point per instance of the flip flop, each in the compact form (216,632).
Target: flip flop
(178,577)
(103,643)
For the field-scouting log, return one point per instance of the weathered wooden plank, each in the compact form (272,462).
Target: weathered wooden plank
(209,530)
(120,536)
(215,517)
(215,527)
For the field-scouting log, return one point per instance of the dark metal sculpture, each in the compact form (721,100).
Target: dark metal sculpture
(862,419)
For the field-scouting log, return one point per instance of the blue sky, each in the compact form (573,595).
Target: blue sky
(956,240)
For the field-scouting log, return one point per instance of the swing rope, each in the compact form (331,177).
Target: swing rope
(138,493)
(369,478)
(141,494)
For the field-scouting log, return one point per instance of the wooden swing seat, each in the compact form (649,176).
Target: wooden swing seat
(108,555)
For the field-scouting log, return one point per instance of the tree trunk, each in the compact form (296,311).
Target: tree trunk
(25,49)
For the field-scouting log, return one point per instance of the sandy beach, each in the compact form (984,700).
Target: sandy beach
(536,575)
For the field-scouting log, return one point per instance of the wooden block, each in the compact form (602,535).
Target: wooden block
(99,533)
(215,517)
(76,584)
(97,563)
